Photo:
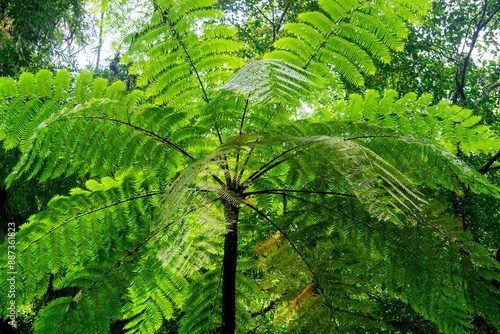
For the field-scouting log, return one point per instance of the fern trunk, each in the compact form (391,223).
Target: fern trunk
(229,269)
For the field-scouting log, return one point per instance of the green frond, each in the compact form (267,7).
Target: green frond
(345,67)
(150,303)
(43,82)
(364,39)
(185,55)
(351,33)
(8,88)
(61,84)
(270,81)
(50,129)
(55,313)
(383,32)
(441,124)
(26,84)
(82,82)
(79,239)
(203,304)
(337,10)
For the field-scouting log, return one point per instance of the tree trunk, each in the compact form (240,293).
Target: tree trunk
(100,38)
(229,269)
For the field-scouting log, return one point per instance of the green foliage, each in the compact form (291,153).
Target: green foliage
(186,60)
(32,33)
(346,35)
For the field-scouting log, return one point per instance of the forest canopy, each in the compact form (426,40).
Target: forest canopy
(250,166)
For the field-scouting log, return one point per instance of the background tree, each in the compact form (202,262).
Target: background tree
(33,33)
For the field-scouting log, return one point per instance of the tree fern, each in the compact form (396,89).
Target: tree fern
(352,172)
(211,194)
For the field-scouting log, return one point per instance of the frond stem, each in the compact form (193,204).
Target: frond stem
(179,39)
(244,113)
(263,215)
(281,191)
(490,162)
(261,171)
(246,163)
(216,294)
(239,132)
(90,212)
(280,22)
(373,136)
(150,133)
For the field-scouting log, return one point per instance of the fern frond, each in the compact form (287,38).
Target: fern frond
(355,32)
(270,81)
(108,118)
(185,57)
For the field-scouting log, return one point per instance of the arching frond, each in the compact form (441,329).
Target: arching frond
(346,36)
(185,61)
(112,128)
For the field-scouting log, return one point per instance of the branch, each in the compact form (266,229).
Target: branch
(460,76)
(250,36)
(264,15)
(420,44)
(486,94)
(280,22)
(486,167)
